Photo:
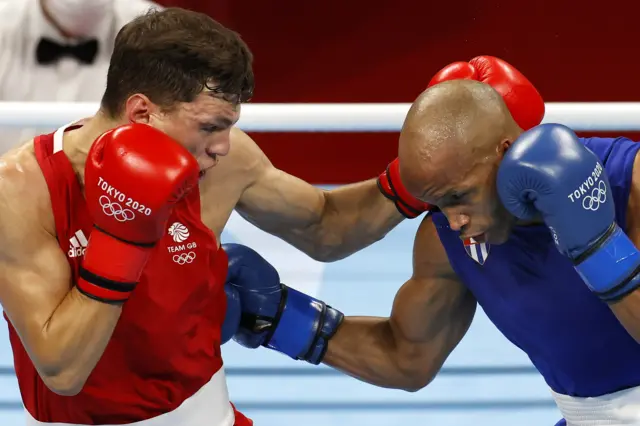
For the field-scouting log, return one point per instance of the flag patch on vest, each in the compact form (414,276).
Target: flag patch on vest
(477,251)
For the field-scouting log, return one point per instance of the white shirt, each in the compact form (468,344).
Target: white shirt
(22,25)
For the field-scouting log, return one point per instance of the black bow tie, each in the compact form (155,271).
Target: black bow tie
(49,51)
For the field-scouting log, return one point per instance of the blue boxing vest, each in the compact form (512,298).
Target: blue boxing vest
(536,299)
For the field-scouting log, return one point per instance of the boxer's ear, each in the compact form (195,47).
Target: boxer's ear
(138,109)
(504,146)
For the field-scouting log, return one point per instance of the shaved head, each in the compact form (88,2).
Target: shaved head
(451,127)
(451,145)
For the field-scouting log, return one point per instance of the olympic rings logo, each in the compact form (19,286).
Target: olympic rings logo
(598,196)
(115,209)
(183,258)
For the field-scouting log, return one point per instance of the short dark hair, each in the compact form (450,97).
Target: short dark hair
(172,55)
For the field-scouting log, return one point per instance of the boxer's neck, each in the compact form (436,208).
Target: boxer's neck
(76,143)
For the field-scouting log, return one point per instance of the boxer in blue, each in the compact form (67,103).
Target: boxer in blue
(539,227)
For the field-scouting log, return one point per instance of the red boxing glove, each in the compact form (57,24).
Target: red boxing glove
(520,96)
(391,187)
(134,176)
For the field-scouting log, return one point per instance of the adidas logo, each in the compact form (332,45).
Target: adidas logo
(78,244)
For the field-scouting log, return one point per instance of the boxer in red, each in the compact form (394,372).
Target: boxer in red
(112,277)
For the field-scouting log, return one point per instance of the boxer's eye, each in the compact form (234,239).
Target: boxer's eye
(210,129)
(456,198)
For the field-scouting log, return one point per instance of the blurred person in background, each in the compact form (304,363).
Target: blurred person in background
(57,51)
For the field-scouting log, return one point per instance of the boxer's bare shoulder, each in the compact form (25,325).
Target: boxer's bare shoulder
(435,304)
(35,274)
(226,182)
(238,168)
(23,193)
(433,310)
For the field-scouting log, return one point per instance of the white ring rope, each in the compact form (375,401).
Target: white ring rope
(332,117)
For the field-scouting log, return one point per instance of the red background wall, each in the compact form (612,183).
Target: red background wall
(357,51)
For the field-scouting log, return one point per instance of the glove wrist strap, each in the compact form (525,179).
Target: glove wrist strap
(611,269)
(303,327)
(102,289)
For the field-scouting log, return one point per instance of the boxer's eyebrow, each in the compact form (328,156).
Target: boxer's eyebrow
(224,122)
(220,123)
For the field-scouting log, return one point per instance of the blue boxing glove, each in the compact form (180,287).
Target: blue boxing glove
(548,171)
(274,315)
(232,315)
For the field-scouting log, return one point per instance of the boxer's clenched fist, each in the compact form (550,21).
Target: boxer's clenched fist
(550,172)
(133,177)
(520,96)
(274,315)
(391,186)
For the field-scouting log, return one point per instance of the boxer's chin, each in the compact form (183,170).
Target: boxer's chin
(482,238)
(202,174)
(495,238)
(498,235)
(490,237)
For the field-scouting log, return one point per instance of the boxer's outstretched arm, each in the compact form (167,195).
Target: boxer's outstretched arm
(63,331)
(326,225)
(431,313)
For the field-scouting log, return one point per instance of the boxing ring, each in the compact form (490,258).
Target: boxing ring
(486,381)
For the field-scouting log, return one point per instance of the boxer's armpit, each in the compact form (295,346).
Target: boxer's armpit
(63,332)
(431,313)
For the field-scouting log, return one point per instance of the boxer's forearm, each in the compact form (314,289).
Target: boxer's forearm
(73,340)
(627,311)
(354,217)
(365,348)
